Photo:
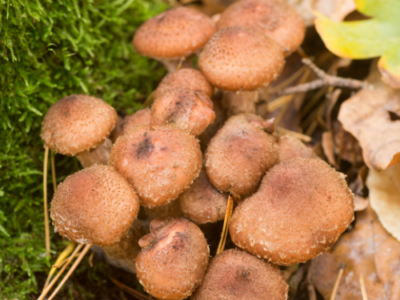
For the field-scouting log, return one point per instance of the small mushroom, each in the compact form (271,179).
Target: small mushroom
(276,19)
(238,157)
(237,275)
(240,61)
(202,203)
(160,162)
(173,35)
(173,259)
(186,109)
(290,147)
(300,210)
(79,125)
(141,117)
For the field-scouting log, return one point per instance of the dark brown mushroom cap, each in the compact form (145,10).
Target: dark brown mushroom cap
(95,205)
(186,109)
(141,117)
(191,79)
(300,210)
(276,19)
(237,275)
(290,147)
(178,32)
(77,123)
(238,58)
(169,210)
(202,203)
(173,260)
(159,161)
(238,157)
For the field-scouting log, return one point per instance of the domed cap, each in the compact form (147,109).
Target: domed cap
(300,210)
(178,32)
(186,109)
(159,161)
(276,19)
(237,275)
(173,260)
(238,58)
(290,147)
(266,125)
(95,205)
(77,123)
(191,79)
(141,117)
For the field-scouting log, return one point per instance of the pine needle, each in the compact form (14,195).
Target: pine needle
(227,220)
(337,282)
(363,288)
(129,290)
(46,213)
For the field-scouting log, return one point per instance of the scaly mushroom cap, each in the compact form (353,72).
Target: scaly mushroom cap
(238,157)
(237,275)
(141,117)
(266,125)
(186,109)
(173,260)
(77,123)
(95,205)
(290,147)
(178,32)
(238,58)
(300,210)
(184,78)
(159,161)
(276,19)
(202,203)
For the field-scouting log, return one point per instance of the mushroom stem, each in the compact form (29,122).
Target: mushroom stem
(96,156)
(46,213)
(53,170)
(240,102)
(173,64)
(227,220)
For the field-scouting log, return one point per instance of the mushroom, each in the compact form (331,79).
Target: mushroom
(290,147)
(79,125)
(173,259)
(202,203)
(186,109)
(237,275)
(276,19)
(238,157)
(300,209)
(173,35)
(160,162)
(240,61)
(184,78)
(141,117)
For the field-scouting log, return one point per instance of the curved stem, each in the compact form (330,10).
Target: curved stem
(227,220)
(46,213)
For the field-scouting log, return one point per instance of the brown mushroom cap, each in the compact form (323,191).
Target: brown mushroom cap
(141,117)
(185,78)
(290,147)
(202,203)
(237,275)
(186,109)
(276,19)
(300,210)
(169,210)
(238,58)
(178,32)
(238,157)
(173,260)
(95,205)
(159,161)
(77,123)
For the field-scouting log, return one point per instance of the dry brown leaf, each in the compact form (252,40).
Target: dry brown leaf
(360,203)
(384,193)
(328,147)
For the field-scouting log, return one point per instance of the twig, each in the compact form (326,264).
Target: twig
(363,288)
(337,282)
(228,215)
(323,80)
(46,213)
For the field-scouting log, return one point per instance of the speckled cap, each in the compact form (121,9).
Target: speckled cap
(77,123)
(239,58)
(178,32)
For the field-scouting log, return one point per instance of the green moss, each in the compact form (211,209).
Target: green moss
(49,49)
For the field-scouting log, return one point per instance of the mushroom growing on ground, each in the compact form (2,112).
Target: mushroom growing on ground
(301,208)
(186,109)
(141,117)
(290,147)
(79,125)
(160,162)
(238,157)
(173,35)
(276,19)
(240,61)
(237,275)
(173,259)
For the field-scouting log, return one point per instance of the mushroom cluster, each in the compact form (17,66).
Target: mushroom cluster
(290,205)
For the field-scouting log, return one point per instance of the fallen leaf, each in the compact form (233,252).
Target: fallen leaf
(360,203)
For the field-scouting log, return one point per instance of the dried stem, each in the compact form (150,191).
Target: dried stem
(227,220)
(46,213)
(363,288)
(323,80)
(337,282)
